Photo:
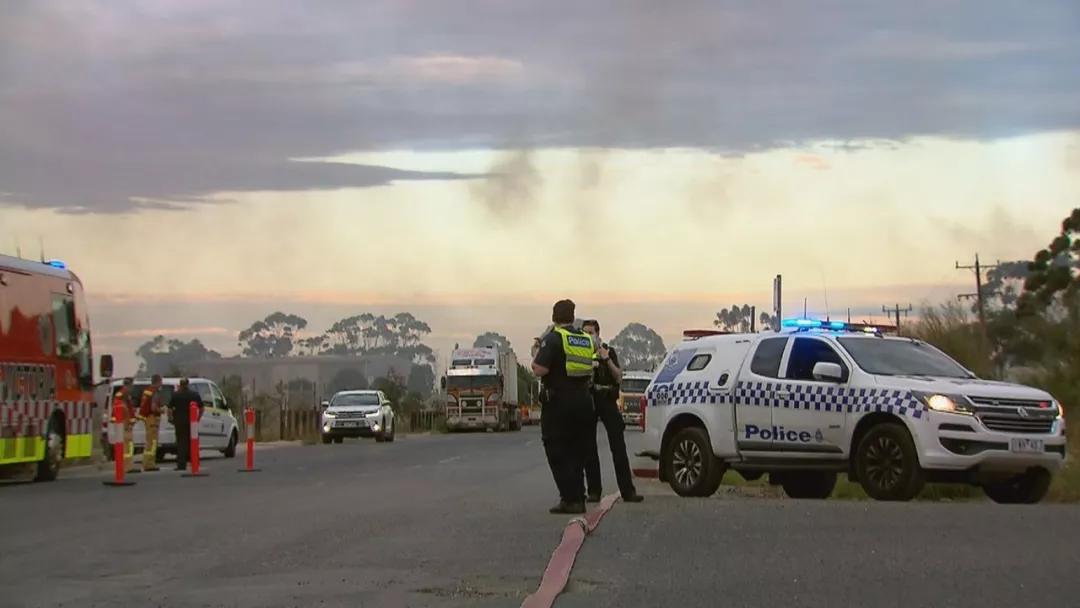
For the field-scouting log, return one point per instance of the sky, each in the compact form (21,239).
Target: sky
(201,164)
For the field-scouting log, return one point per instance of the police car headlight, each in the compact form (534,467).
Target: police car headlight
(950,404)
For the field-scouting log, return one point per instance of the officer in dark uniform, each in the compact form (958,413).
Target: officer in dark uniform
(179,415)
(606,379)
(564,363)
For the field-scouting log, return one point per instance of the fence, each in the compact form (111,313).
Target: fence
(287,425)
(426,420)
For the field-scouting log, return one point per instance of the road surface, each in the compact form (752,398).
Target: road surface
(461,520)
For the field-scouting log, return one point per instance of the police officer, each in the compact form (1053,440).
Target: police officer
(564,364)
(150,413)
(606,378)
(179,407)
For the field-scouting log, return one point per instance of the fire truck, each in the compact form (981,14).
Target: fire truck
(46,373)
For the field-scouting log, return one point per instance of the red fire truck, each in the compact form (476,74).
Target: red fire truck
(46,374)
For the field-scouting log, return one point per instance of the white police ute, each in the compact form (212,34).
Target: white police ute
(820,398)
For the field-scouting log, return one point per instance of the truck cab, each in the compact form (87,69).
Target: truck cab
(821,398)
(631,391)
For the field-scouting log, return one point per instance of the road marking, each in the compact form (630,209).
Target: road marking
(530,443)
(449,460)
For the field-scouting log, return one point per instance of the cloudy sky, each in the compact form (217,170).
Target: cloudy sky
(203,163)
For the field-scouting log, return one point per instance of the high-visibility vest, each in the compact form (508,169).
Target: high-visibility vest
(579,350)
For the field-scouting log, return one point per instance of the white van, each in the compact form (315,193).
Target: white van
(822,398)
(218,427)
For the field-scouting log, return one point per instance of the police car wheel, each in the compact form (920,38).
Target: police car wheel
(808,484)
(693,470)
(230,450)
(1026,489)
(326,439)
(887,465)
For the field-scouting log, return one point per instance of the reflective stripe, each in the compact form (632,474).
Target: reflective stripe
(21,449)
(579,349)
(78,446)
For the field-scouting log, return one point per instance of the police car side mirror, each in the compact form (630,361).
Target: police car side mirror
(106,367)
(325,404)
(828,372)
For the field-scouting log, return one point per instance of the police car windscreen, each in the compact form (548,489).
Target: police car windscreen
(347,400)
(634,385)
(901,358)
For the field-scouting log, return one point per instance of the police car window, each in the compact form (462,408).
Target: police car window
(808,352)
(767,357)
(698,363)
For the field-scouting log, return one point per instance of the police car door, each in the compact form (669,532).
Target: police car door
(809,415)
(756,393)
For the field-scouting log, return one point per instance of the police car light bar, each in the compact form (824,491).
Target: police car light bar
(57,264)
(694,334)
(808,324)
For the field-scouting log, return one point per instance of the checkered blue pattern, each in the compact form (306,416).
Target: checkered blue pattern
(793,395)
(681,393)
(829,398)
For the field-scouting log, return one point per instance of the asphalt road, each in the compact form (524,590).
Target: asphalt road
(460,520)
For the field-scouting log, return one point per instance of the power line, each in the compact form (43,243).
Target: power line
(978,269)
(896,310)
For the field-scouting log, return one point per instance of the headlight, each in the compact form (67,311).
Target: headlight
(372,414)
(1060,409)
(950,404)
(328,416)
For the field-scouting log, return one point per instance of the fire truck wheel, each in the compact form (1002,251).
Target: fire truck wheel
(49,467)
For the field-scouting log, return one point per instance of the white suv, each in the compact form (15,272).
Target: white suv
(804,405)
(218,427)
(358,414)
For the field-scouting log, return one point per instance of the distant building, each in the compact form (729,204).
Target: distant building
(261,375)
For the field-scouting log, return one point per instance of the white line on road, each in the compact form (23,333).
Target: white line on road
(530,443)
(449,460)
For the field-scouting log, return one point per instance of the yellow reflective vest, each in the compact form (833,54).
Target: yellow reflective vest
(579,350)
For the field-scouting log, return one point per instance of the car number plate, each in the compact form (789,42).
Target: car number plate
(1023,445)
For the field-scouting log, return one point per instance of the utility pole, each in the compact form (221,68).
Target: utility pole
(896,310)
(978,295)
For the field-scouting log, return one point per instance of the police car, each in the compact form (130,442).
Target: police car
(820,398)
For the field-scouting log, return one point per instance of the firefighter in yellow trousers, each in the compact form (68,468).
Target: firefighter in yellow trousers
(150,413)
(127,399)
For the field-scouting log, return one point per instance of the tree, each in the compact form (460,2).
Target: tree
(168,357)
(639,348)
(366,334)
(767,322)
(348,379)
(271,337)
(233,389)
(526,384)
(391,387)
(1005,283)
(737,319)
(492,340)
(1054,270)
(421,380)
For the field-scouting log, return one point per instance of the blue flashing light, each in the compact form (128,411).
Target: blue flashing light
(57,264)
(807,324)
(801,323)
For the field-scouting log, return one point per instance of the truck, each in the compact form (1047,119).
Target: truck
(631,391)
(481,390)
(47,387)
(824,397)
